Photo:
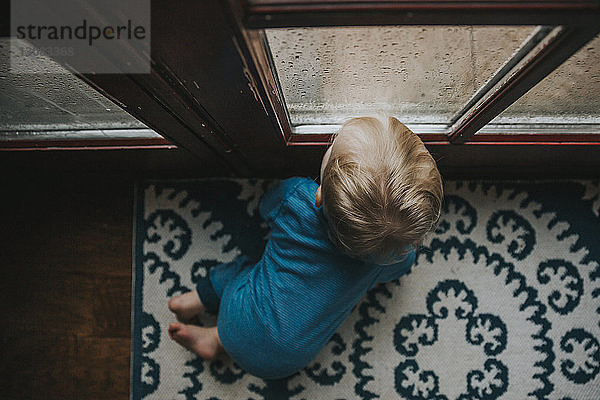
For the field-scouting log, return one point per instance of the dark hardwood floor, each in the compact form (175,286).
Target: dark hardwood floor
(66,245)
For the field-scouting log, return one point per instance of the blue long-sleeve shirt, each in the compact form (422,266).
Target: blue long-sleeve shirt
(277,315)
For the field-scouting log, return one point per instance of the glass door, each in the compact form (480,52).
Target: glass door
(322,64)
(49,105)
(564,106)
(422,75)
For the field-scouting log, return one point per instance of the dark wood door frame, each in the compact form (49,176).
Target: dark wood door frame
(296,13)
(204,93)
(87,144)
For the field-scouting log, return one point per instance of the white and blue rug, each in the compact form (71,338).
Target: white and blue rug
(503,302)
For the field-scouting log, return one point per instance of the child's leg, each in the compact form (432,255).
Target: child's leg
(259,336)
(208,291)
(204,342)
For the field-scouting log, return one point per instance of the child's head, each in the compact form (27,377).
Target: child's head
(380,189)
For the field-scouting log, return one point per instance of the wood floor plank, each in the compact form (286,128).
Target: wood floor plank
(38,365)
(74,226)
(42,300)
(65,287)
(112,307)
(103,368)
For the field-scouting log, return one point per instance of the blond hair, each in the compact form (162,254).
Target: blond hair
(381,189)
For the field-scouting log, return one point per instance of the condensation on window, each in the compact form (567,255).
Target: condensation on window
(569,95)
(53,103)
(420,74)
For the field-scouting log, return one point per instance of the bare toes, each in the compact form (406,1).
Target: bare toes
(174,327)
(199,340)
(173,304)
(186,306)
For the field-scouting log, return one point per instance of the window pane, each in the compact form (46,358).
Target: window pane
(55,104)
(420,74)
(569,95)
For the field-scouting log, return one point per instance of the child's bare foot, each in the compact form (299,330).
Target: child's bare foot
(201,341)
(186,306)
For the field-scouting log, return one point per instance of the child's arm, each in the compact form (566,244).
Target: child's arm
(271,201)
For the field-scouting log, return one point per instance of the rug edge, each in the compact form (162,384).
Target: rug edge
(136,285)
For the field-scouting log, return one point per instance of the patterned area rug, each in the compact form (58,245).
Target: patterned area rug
(502,303)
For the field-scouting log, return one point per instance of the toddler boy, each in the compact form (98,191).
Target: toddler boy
(380,194)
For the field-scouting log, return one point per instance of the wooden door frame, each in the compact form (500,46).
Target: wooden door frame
(297,13)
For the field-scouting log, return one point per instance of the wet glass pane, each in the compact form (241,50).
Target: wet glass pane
(420,74)
(43,104)
(569,95)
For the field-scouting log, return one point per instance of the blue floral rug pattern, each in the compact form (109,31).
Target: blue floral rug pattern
(502,303)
